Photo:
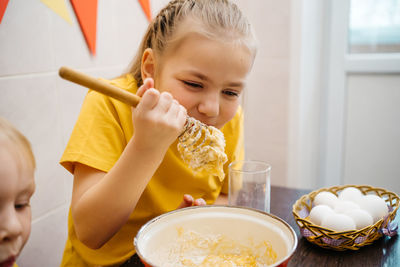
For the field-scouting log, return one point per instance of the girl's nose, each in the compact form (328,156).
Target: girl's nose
(209,105)
(10,226)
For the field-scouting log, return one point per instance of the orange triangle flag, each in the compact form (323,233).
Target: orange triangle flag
(3,6)
(146,8)
(86,11)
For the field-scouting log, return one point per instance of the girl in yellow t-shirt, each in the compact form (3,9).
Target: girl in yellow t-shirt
(193,60)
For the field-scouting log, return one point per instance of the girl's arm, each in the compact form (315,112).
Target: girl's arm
(102,202)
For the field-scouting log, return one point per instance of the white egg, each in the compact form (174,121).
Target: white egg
(338,222)
(319,212)
(360,217)
(342,206)
(350,194)
(325,198)
(375,206)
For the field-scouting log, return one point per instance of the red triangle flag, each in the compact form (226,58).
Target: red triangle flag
(3,6)
(86,11)
(146,8)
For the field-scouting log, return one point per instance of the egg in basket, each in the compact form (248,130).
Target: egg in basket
(346,217)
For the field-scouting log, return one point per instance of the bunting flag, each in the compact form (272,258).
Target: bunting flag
(146,8)
(86,12)
(3,6)
(59,7)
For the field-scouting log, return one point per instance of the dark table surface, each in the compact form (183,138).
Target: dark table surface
(383,252)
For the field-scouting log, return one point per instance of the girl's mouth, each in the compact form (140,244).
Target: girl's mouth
(8,263)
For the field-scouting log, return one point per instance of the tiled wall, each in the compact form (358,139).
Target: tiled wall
(35,42)
(267,91)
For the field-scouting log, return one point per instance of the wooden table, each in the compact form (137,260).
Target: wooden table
(383,252)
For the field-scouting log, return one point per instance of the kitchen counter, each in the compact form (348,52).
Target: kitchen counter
(383,252)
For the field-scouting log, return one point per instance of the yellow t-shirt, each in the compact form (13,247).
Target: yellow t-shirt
(101,133)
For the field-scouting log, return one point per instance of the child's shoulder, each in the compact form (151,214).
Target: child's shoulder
(126,82)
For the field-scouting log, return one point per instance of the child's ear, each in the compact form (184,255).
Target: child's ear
(148,64)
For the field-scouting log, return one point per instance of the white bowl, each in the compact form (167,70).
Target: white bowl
(237,223)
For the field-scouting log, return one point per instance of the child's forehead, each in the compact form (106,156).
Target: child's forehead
(19,153)
(200,52)
(15,163)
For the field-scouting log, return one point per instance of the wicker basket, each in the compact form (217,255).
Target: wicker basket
(355,239)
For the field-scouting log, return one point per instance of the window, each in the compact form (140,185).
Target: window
(374,26)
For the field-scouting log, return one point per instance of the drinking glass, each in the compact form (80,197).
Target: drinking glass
(249,184)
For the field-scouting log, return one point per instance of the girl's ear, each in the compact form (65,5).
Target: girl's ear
(148,64)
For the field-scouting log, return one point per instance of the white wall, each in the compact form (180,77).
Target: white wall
(267,93)
(35,42)
(372,146)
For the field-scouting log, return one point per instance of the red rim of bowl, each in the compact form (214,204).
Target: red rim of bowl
(287,257)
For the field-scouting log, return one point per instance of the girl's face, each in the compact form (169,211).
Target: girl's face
(207,77)
(16,188)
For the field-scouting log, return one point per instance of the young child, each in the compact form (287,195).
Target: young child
(193,60)
(17,166)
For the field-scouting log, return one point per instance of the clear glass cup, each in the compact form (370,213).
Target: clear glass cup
(249,184)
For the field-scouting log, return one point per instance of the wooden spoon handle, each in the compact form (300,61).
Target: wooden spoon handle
(99,86)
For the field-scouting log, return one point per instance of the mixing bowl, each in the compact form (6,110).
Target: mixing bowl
(161,241)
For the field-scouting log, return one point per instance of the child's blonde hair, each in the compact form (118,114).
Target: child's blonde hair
(216,19)
(10,135)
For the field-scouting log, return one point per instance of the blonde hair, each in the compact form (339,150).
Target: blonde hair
(10,135)
(212,18)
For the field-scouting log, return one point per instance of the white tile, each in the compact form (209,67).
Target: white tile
(47,240)
(130,26)
(30,103)
(70,44)
(266,115)
(71,98)
(108,72)
(25,34)
(271,22)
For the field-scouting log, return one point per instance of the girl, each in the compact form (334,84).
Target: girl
(17,185)
(193,60)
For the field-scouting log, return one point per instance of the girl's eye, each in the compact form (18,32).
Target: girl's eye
(21,206)
(192,84)
(231,93)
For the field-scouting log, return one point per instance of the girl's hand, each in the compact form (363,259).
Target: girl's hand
(158,119)
(189,201)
